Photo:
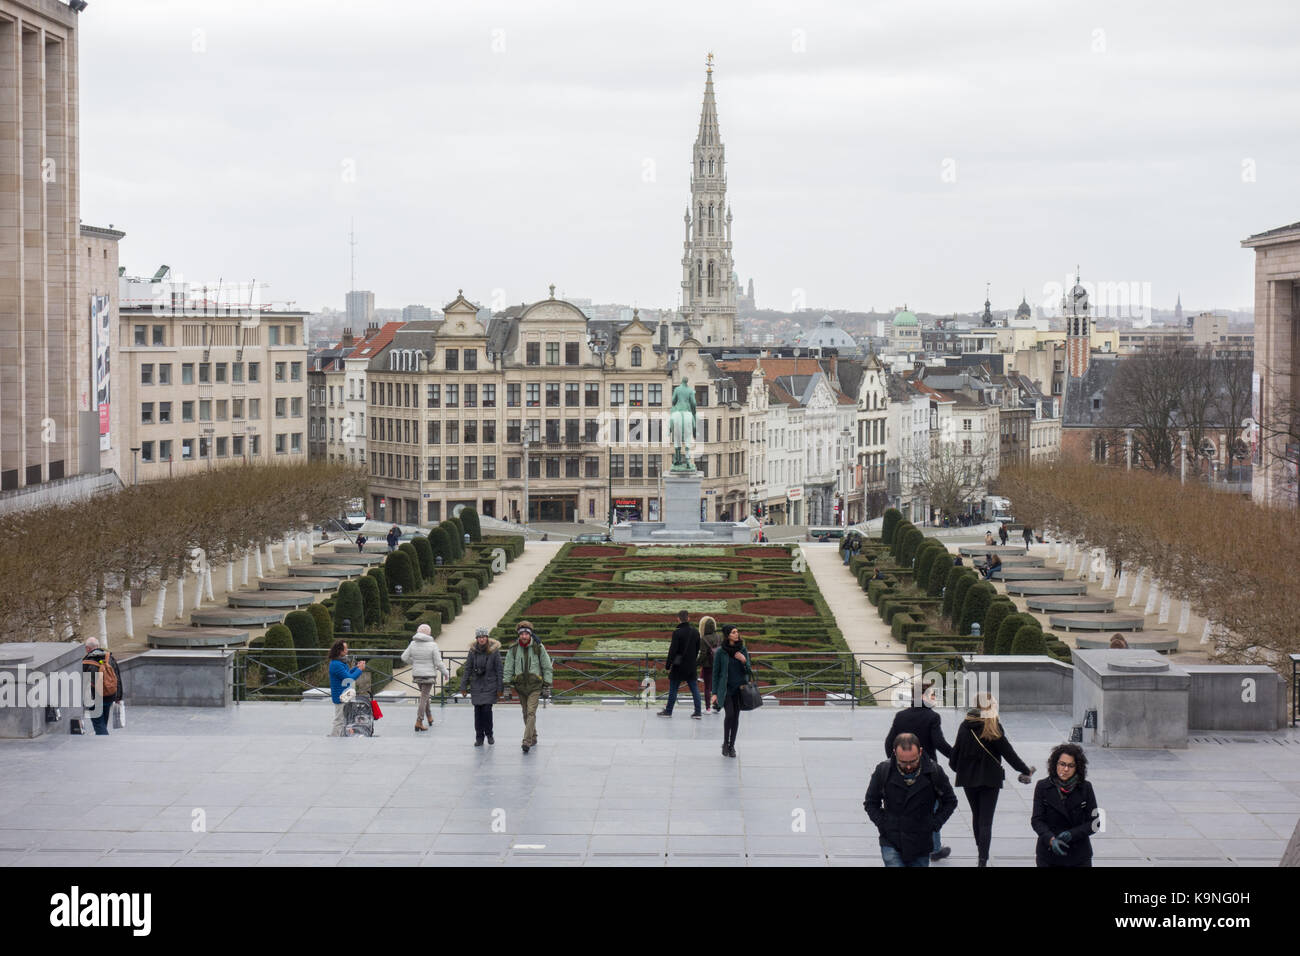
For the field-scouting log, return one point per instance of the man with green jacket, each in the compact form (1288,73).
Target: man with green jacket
(528,671)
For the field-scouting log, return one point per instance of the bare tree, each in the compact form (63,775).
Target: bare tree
(949,478)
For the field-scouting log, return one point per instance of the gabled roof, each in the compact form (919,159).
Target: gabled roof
(371,346)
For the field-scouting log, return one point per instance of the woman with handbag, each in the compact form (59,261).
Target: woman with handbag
(977,754)
(731,671)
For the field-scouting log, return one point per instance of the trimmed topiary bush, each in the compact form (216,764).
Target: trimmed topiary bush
(1007,631)
(975,606)
(999,608)
(955,574)
(425,553)
(370,600)
(928,557)
(912,540)
(888,521)
(453,536)
(469,519)
(1029,640)
(397,569)
(460,529)
(416,577)
(348,606)
(282,660)
(324,624)
(939,572)
(965,581)
(302,627)
(900,532)
(385,606)
(441,544)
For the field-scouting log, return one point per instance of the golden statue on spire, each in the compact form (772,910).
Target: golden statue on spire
(709,61)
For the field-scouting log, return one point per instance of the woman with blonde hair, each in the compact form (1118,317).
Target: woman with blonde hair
(710,638)
(981,745)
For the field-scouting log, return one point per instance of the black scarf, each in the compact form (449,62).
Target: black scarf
(1066,786)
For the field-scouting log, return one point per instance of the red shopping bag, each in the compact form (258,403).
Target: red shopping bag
(374,709)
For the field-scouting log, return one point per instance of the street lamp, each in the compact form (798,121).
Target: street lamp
(135,471)
(526,482)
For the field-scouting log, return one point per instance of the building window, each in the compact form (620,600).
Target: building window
(534,468)
(280,369)
(652,465)
(552,467)
(453,396)
(512,395)
(965,424)
(237,372)
(656,395)
(634,467)
(616,394)
(453,433)
(254,375)
(142,335)
(591,391)
(533,430)
(254,410)
(165,374)
(187,373)
(552,394)
(223,447)
(295,371)
(471,396)
(489,432)
(571,434)
(221,373)
(591,466)
(552,353)
(616,466)
(636,356)
(452,359)
(433,468)
(513,433)
(513,468)
(273,338)
(164,413)
(635,399)
(165,451)
(432,396)
(489,467)
(160,336)
(146,451)
(435,433)
(489,396)
(187,411)
(471,467)
(552,431)
(295,408)
(471,433)
(453,468)
(222,405)
(570,353)
(590,430)
(187,449)
(146,374)
(146,413)
(572,398)
(281,406)
(534,395)
(533,353)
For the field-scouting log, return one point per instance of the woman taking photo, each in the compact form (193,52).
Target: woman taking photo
(977,754)
(1065,810)
(731,668)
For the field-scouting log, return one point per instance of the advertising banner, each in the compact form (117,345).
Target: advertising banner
(100,342)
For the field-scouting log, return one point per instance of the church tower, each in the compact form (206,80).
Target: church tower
(708,305)
(1078,331)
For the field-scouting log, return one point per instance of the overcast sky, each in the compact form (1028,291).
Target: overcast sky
(876,154)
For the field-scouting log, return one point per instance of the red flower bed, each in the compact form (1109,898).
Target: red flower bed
(763,553)
(558,607)
(780,607)
(672,595)
(757,576)
(598,575)
(667,620)
(596,551)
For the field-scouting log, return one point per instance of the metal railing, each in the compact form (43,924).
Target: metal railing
(789,677)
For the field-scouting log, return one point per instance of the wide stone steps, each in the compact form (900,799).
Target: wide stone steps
(273,598)
(198,638)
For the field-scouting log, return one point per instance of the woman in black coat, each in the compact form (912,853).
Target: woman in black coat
(481,680)
(1065,810)
(978,750)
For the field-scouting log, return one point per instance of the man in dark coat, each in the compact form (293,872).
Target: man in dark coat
(923,722)
(909,799)
(682,653)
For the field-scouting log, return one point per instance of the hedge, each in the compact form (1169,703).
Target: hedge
(925,557)
(370,600)
(976,605)
(874,591)
(904,625)
(349,606)
(324,624)
(1007,631)
(413,556)
(381,579)
(284,661)
(999,608)
(910,542)
(965,582)
(397,569)
(1029,640)
(441,545)
(888,521)
(955,574)
(425,555)
(469,518)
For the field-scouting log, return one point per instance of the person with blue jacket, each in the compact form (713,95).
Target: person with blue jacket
(341,677)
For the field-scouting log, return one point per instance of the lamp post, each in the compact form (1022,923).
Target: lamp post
(135,471)
(525,482)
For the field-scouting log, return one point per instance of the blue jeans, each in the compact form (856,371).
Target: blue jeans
(101,722)
(893,858)
(672,694)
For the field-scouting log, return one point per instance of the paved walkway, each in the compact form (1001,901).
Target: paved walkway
(261,785)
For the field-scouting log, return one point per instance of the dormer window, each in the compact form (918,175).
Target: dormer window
(636,356)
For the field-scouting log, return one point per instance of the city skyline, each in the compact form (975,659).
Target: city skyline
(510,151)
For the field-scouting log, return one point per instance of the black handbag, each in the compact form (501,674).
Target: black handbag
(750,698)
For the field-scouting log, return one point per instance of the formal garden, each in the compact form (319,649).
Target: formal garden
(606,613)
(933,605)
(430,579)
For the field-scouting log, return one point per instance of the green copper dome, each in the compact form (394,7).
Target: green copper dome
(905,318)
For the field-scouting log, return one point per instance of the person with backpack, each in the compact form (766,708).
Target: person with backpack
(710,639)
(977,754)
(909,799)
(106,684)
(341,674)
(426,664)
(482,679)
(528,671)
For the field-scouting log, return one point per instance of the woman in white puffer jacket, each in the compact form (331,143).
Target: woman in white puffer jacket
(426,663)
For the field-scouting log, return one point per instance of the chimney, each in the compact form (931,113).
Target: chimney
(347,340)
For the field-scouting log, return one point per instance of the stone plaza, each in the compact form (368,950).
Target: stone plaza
(261,785)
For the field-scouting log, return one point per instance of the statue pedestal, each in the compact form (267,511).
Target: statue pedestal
(682,501)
